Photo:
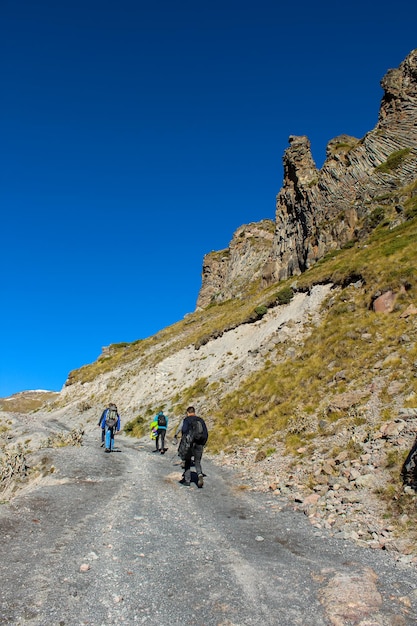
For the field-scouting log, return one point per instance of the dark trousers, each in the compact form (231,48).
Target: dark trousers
(160,439)
(196,454)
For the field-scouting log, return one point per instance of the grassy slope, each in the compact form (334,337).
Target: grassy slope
(351,339)
(265,402)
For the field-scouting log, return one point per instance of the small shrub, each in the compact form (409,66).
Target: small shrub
(260,311)
(411,208)
(136,427)
(260,456)
(292,442)
(376,216)
(393,459)
(285,295)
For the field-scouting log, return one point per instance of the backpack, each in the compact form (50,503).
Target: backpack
(197,434)
(111,417)
(162,420)
(154,429)
(409,468)
(199,430)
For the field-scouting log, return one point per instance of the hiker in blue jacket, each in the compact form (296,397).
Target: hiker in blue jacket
(110,424)
(162,421)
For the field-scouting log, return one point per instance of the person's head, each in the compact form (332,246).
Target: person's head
(191,410)
(112,406)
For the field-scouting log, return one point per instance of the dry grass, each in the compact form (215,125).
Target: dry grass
(345,352)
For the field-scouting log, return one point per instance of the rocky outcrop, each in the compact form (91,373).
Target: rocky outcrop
(13,468)
(318,211)
(338,491)
(226,273)
(361,182)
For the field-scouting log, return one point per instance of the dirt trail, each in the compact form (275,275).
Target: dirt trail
(155,552)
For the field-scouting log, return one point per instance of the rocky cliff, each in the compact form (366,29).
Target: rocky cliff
(362,182)
(227,273)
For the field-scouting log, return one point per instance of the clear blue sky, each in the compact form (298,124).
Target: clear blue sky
(136,136)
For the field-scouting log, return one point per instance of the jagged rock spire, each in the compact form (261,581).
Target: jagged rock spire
(321,210)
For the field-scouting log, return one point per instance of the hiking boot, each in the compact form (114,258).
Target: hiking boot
(107,450)
(102,445)
(200,481)
(162,451)
(185,483)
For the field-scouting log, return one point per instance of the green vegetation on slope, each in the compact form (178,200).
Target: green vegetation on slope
(288,398)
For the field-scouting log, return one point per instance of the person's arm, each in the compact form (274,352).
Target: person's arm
(179,429)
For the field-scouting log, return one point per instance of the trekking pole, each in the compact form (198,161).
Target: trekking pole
(175,454)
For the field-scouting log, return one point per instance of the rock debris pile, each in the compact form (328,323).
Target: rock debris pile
(341,492)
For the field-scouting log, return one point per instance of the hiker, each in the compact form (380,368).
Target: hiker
(110,424)
(102,424)
(409,468)
(193,440)
(161,424)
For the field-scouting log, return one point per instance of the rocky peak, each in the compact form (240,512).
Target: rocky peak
(400,87)
(298,162)
(321,210)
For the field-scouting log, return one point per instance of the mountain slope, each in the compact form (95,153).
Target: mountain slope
(302,353)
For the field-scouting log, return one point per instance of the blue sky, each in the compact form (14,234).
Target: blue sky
(138,136)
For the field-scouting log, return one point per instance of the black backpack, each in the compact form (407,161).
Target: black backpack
(199,430)
(162,420)
(111,417)
(196,434)
(409,468)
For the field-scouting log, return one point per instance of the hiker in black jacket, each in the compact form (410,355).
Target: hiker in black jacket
(194,451)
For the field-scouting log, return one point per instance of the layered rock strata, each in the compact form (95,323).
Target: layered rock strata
(321,210)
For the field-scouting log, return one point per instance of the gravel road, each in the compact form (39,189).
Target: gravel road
(114,538)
